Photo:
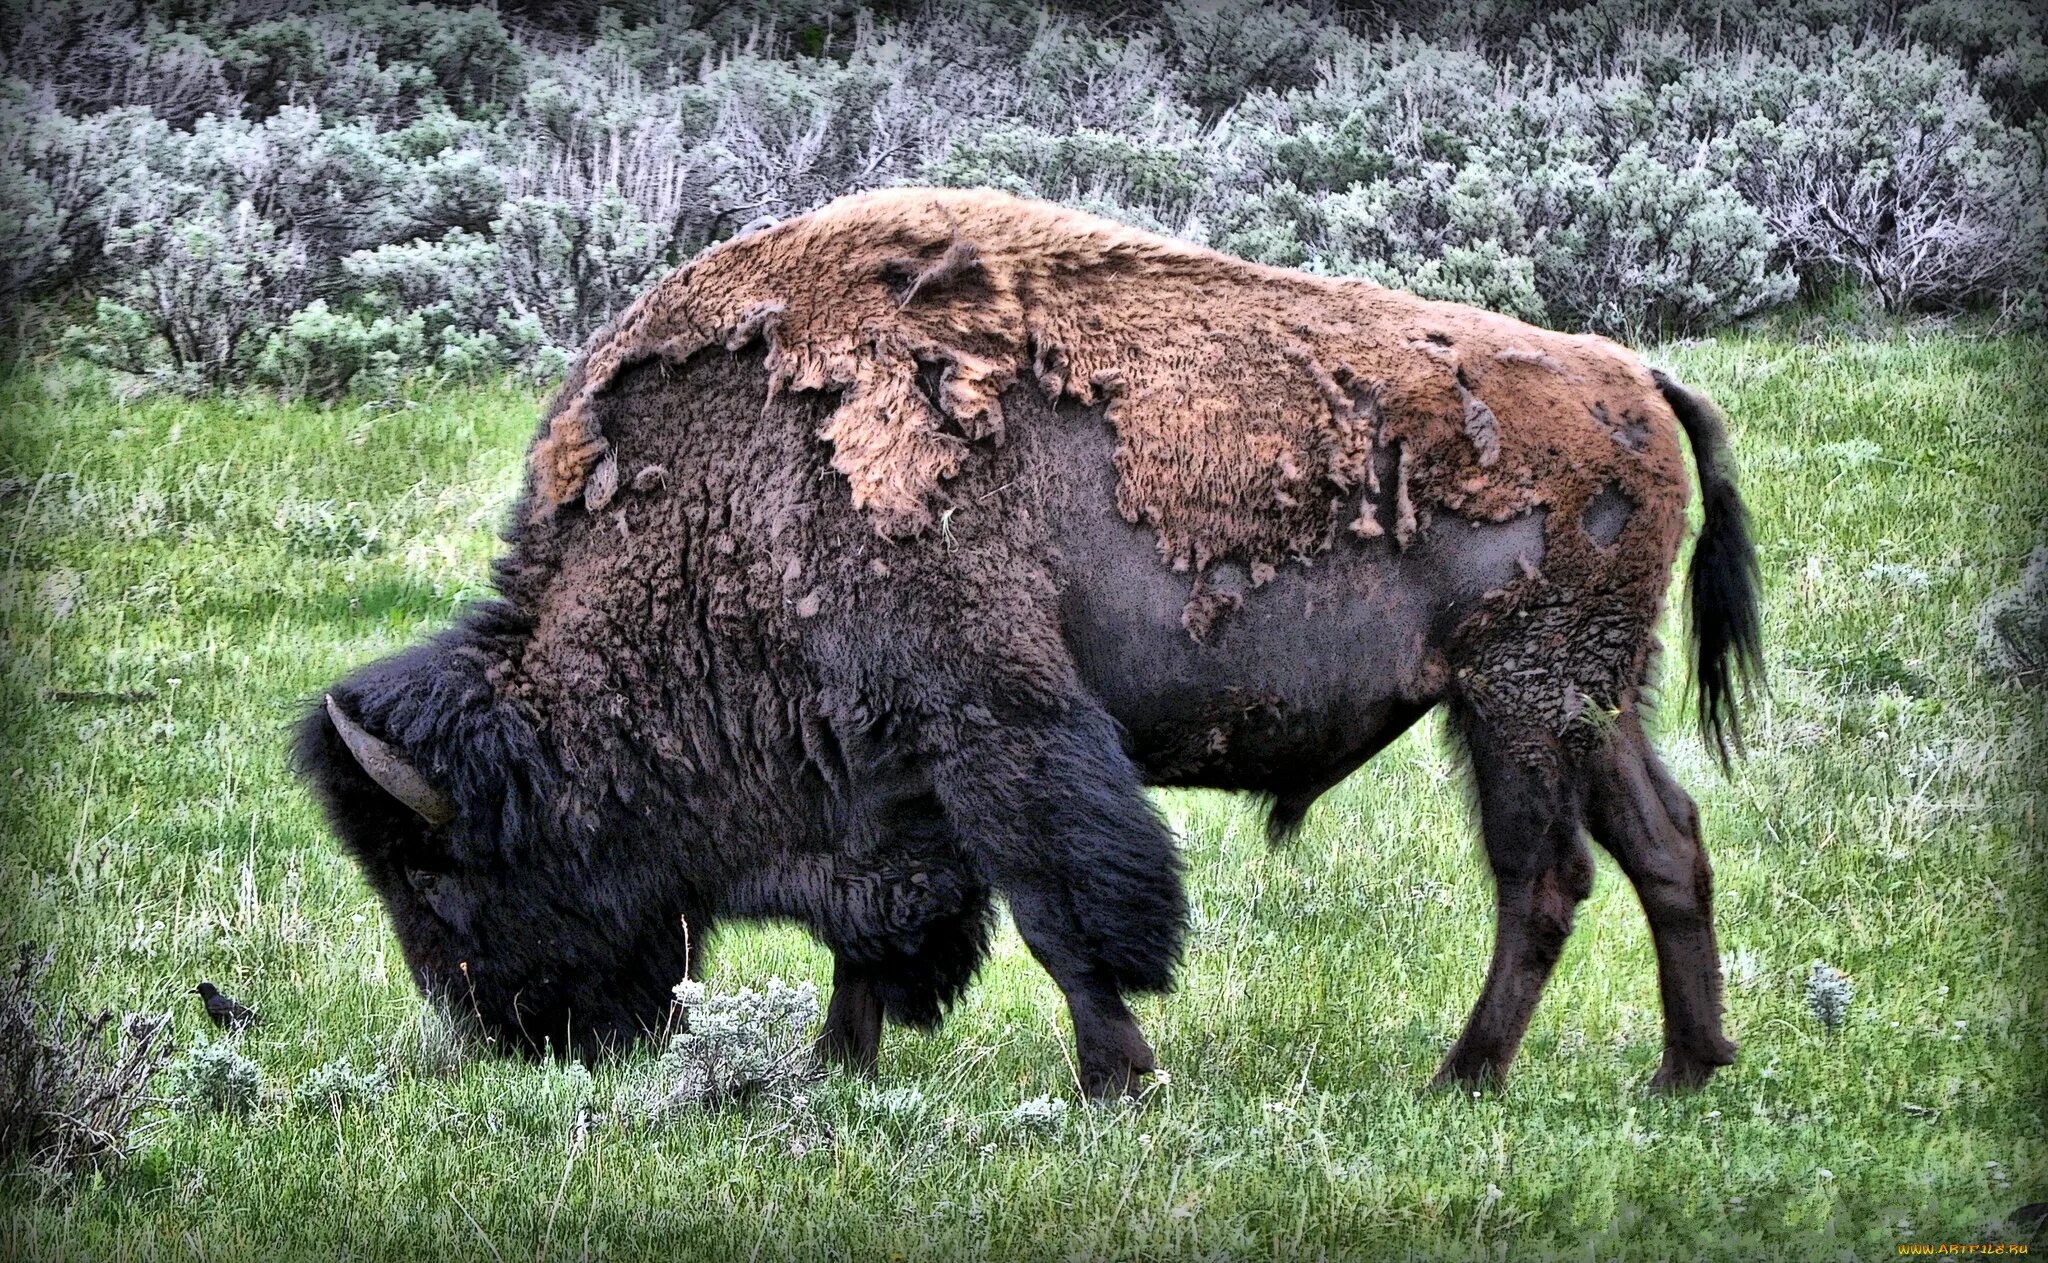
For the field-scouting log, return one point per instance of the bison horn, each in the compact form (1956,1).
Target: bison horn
(393,774)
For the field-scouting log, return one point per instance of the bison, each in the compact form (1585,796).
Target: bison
(872,565)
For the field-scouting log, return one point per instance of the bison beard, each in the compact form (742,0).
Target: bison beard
(721,682)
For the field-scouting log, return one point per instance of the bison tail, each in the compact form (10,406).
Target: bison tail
(1721,589)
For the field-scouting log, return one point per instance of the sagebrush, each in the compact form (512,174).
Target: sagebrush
(338,195)
(72,1083)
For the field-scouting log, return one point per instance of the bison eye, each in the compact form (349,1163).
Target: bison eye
(422,881)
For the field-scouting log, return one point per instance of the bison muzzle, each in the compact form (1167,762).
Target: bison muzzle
(873,564)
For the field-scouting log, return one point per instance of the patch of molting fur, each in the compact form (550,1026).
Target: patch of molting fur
(758,321)
(1368,406)
(1631,432)
(603,483)
(887,444)
(1606,516)
(1559,637)
(996,287)
(1523,355)
(970,392)
(1427,674)
(1045,368)
(1404,507)
(1367,524)
(1204,607)
(1345,461)
(1288,471)
(1481,426)
(1326,382)
(961,259)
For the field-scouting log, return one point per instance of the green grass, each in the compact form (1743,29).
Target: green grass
(216,562)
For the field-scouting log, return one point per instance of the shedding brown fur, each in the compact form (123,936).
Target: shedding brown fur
(1247,400)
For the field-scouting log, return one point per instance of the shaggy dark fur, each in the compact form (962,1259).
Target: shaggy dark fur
(636,750)
(1721,591)
(710,688)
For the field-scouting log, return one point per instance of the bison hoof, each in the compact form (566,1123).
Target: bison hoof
(1457,1076)
(850,1053)
(1116,1076)
(1683,1071)
(1114,1083)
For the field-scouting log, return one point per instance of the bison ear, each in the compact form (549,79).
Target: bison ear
(392,773)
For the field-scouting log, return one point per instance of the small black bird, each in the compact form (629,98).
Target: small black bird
(223,1011)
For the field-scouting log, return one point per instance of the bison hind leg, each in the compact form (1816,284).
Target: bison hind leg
(1530,821)
(1652,828)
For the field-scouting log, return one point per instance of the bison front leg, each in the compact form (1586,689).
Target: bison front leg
(1111,1054)
(853,1020)
(1054,812)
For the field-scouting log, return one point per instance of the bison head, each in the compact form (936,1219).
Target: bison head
(515,898)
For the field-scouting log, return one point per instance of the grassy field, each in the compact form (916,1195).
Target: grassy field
(208,565)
